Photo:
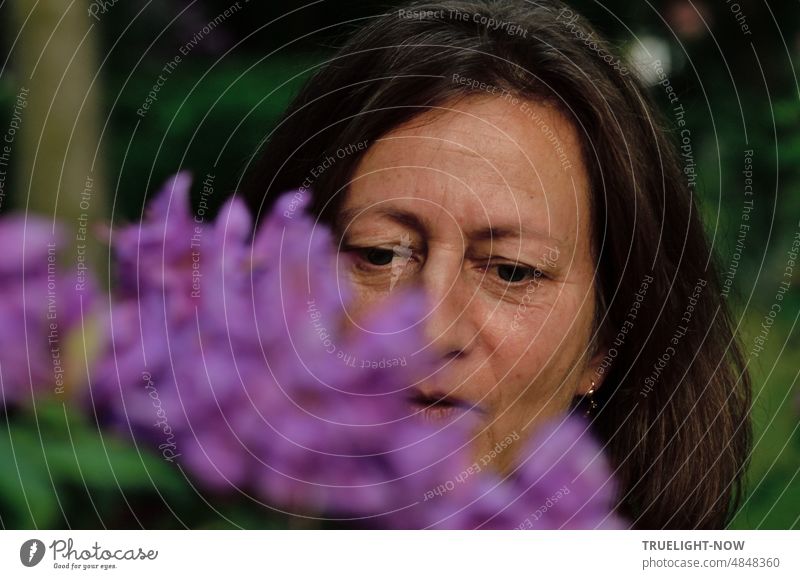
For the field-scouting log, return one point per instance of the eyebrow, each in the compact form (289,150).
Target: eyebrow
(413,221)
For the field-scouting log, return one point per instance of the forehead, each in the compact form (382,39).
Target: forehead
(482,162)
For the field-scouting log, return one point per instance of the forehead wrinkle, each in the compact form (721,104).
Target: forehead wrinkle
(480,147)
(436,153)
(512,164)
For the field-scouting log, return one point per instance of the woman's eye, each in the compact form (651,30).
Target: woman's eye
(515,273)
(378,256)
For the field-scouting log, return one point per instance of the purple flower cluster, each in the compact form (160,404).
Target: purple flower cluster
(561,481)
(41,305)
(231,353)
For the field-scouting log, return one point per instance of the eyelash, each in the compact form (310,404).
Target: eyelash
(531,272)
(361,253)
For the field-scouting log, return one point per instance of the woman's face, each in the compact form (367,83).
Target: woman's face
(484,205)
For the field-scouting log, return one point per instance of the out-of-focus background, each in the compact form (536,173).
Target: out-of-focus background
(101,101)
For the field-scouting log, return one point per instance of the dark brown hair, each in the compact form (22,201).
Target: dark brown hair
(674,407)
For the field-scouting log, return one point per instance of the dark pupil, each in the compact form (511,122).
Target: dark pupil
(378,256)
(511,273)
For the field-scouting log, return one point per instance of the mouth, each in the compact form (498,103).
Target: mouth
(437,406)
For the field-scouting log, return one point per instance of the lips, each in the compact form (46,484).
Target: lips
(438,406)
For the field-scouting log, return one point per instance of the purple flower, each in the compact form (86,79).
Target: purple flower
(232,354)
(154,253)
(561,481)
(564,481)
(226,352)
(41,304)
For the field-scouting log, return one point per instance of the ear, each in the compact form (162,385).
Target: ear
(596,371)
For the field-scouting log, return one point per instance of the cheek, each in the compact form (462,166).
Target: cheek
(536,347)
(522,329)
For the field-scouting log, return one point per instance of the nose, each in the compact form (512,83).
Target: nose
(451,326)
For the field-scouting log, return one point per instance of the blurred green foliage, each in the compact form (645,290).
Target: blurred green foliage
(773,479)
(209,120)
(61,471)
